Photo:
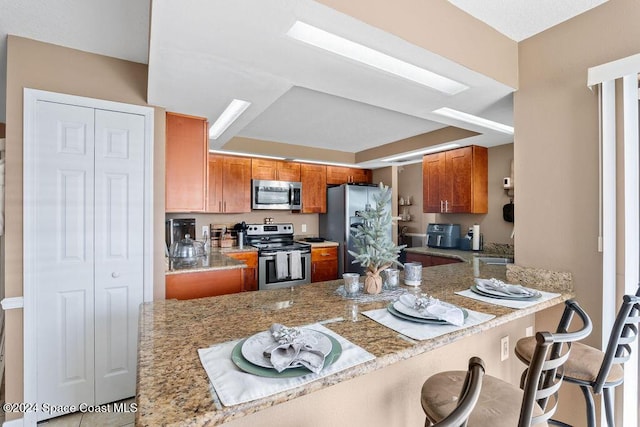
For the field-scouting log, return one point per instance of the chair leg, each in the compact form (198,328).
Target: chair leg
(591,409)
(608,406)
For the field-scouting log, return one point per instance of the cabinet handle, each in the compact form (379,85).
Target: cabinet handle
(324,254)
(441,205)
(225,206)
(115,275)
(314,268)
(220,206)
(446,206)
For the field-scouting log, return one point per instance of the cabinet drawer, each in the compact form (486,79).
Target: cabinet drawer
(203,284)
(324,254)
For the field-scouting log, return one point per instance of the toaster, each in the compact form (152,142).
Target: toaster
(443,235)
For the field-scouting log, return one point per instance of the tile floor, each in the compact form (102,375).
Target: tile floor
(91,419)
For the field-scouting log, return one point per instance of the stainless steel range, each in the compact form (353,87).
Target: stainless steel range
(282,262)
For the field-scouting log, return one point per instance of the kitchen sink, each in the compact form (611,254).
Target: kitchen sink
(494,260)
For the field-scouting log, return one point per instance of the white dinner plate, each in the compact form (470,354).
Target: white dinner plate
(412,311)
(254,346)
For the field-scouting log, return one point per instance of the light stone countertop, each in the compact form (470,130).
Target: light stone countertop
(216,260)
(173,387)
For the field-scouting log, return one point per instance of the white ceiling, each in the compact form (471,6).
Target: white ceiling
(203,53)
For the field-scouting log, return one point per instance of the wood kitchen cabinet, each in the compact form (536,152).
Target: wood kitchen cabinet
(185,163)
(455,181)
(203,284)
(324,263)
(337,175)
(314,188)
(229,189)
(275,170)
(250,274)
(430,260)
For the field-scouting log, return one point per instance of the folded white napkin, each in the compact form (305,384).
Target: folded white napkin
(292,348)
(434,307)
(497,285)
(282,265)
(296,265)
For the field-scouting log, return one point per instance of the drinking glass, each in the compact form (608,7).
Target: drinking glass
(351,283)
(390,278)
(413,273)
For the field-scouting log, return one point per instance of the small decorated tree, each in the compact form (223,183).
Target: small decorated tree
(374,249)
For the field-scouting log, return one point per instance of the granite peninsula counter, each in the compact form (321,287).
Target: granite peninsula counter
(173,387)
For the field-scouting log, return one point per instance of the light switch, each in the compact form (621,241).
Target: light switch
(304,228)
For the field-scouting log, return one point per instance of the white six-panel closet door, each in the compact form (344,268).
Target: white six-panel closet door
(89,253)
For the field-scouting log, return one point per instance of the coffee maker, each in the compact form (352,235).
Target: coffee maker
(177,228)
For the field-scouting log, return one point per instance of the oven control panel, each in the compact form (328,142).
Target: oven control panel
(270,229)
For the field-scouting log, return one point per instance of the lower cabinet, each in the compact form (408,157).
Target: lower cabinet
(430,260)
(324,264)
(250,274)
(204,284)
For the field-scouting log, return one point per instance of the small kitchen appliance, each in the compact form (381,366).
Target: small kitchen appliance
(282,262)
(177,228)
(443,235)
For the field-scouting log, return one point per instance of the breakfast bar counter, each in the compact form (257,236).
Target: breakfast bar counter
(173,387)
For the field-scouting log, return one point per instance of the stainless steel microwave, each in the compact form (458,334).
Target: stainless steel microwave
(281,195)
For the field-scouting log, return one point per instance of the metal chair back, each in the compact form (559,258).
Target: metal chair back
(544,376)
(468,396)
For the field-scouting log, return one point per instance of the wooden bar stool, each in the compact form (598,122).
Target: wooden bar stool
(502,404)
(595,371)
(468,397)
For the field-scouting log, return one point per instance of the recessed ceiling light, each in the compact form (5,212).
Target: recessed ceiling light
(324,40)
(228,116)
(475,120)
(421,152)
(237,153)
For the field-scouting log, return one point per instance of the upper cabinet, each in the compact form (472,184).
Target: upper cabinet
(337,175)
(229,184)
(275,170)
(314,188)
(455,181)
(186,163)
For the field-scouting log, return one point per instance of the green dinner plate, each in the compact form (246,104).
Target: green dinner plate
(475,289)
(250,368)
(403,316)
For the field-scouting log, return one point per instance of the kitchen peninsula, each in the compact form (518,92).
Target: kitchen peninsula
(173,387)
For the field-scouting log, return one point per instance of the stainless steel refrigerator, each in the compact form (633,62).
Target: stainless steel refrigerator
(344,203)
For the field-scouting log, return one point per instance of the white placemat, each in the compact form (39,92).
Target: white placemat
(423,331)
(509,302)
(234,386)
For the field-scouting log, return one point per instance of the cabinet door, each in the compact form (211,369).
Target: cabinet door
(433,182)
(467,180)
(337,175)
(314,188)
(185,163)
(263,169)
(361,176)
(236,185)
(214,187)
(423,259)
(203,284)
(249,274)
(324,264)
(288,171)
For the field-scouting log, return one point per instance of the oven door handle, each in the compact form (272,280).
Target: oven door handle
(270,256)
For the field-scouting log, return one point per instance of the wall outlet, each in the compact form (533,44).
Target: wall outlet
(303,227)
(205,231)
(504,348)
(529,331)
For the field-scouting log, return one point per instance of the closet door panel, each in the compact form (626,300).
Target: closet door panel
(63,255)
(119,256)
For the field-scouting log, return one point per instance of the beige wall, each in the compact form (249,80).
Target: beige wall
(493,227)
(36,65)
(556,146)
